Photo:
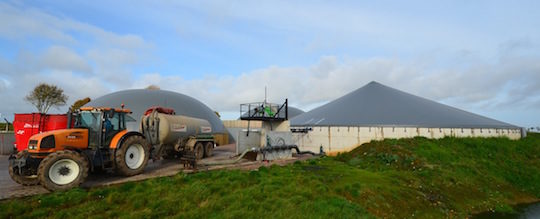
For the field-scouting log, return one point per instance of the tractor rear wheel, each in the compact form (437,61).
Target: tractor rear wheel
(208,149)
(62,170)
(25,180)
(132,156)
(199,150)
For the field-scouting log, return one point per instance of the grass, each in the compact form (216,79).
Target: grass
(424,178)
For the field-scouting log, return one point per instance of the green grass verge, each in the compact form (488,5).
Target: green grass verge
(425,178)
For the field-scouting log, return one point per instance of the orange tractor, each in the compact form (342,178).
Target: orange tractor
(62,159)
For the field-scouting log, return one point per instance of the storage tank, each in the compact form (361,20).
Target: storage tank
(160,128)
(139,100)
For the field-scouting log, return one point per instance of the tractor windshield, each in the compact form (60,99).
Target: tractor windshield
(87,119)
(91,121)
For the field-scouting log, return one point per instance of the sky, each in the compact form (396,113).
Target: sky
(479,56)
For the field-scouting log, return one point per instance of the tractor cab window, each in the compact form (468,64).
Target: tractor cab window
(114,122)
(91,121)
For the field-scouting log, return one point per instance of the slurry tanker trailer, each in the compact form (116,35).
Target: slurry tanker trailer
(174,135)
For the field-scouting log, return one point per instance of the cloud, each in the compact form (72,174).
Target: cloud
(4,84)
(63,58)
(82,59)
(20,22)
(433,56)
(322,26)
(510,82)
(17,23)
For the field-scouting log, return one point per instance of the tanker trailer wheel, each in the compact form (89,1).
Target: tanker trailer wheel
(62,170)
(199,150)
(27,178)
(132,156)
(208,149)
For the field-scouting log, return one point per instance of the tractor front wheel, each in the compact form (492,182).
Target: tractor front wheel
(62,170)
(132,156)
(23,176)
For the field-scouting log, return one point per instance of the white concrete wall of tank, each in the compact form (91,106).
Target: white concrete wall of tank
(234,127)
(335,139)
(241,124)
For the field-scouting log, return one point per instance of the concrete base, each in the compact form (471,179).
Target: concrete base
(336,139)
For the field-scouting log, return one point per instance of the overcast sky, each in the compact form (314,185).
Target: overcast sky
(480,56)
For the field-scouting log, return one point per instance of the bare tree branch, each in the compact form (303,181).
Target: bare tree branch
(44,96)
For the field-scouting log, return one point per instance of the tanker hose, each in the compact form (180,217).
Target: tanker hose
(307,152)
(272,148)
(223,162)
(261,150)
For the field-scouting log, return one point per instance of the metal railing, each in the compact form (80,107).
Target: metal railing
(264,111)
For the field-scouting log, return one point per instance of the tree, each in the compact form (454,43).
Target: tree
(79,103)
(44,96)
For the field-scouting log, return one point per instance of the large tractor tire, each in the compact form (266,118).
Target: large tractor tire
(198,150)
(132,156)
(208,149)
(62,170)
(27,178)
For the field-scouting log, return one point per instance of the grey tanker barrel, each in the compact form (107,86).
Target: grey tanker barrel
(165,129)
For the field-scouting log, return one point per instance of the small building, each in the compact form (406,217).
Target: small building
(235,126)
(375,112)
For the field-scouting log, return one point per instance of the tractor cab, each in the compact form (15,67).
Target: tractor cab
(102,124)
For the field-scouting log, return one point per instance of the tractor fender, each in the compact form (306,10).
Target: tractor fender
(119,138)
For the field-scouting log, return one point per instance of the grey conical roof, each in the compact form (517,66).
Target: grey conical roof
(294,112)
(378,105)
(138,100)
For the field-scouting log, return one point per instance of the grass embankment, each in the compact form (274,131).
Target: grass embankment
(416,177)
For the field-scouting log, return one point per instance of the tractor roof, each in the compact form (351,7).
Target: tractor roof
(91,108)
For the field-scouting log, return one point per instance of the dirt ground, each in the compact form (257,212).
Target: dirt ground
(160,168)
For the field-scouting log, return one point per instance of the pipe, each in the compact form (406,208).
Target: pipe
(262,150)
(305,152)
(295,147)
(229,161)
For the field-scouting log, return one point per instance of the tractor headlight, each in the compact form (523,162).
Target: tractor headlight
(32,145)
